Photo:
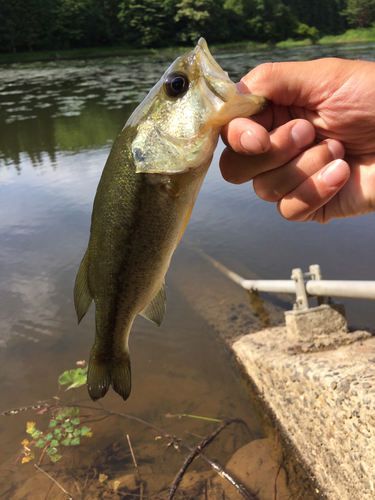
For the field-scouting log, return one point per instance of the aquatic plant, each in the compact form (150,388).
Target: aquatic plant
(64,427)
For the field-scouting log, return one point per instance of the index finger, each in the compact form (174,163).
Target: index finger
(286,142)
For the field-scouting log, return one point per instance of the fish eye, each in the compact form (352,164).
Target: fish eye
(176,84)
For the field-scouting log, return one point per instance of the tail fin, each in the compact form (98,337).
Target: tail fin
(102,374)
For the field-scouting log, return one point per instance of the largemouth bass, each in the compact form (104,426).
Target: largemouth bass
(143,203)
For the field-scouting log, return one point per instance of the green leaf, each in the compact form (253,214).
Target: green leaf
(36,434)
(58,433)
(75,378)
(85,430)
(52,423)
(75,441)
(77,432)
(75,421)
(40,443)
(69,411)
(55,458)
(52,451)
(54,443)
(49,436)
(66,441)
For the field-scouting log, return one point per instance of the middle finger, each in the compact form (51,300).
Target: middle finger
(275,184)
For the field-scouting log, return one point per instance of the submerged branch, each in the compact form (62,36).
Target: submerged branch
(174,440)
(136,466)
(197,451)
(54,480)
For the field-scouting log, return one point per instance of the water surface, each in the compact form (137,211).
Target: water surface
(58,121)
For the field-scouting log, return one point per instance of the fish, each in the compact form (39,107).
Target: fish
(143,203)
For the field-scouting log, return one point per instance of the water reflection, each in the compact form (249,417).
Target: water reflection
(64,106)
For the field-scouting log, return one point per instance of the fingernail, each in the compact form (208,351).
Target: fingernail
(335,173)
(250,143)
(302,134)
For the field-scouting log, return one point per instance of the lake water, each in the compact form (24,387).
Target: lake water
(57,122)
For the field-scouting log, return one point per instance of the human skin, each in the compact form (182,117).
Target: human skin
(312,151)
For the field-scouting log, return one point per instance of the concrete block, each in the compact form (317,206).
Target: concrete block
(316,323)
(324,402)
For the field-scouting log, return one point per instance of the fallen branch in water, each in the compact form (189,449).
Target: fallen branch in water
(240,489)
(54,480)
(197,451)
(136,467)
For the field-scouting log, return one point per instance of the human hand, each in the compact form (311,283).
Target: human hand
(313,149)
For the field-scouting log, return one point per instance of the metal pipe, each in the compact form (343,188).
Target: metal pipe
(350,289)
(271,286)
(314,287)
(328,288)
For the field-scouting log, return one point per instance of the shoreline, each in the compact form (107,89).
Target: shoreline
(368,36)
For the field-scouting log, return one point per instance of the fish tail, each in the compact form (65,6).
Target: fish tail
(103,374)
(121,376)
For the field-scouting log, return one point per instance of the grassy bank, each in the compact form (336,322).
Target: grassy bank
(350,36)
(358,35)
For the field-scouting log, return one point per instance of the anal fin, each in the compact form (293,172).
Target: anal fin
(155,310)
(185,223)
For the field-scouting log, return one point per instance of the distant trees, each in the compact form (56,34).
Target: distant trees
(62,24)
(146,23)
(194,17)
(360,13)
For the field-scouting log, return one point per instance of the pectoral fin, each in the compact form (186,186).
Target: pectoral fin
(186,221)
(82,296)
(155,309)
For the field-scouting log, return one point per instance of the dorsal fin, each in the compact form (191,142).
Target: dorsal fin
(82,296)
(155,309)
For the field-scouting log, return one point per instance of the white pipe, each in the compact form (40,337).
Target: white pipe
(325,288)
(350,289)
(271,286)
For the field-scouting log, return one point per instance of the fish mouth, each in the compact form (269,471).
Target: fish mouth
(216,79)
(202,44)
(227,95)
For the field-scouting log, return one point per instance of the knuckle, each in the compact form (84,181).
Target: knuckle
(230,175)
(293,211)
(265,190)
(265,70)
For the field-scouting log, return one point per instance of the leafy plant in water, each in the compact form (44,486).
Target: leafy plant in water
(64,428)
(75,378)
